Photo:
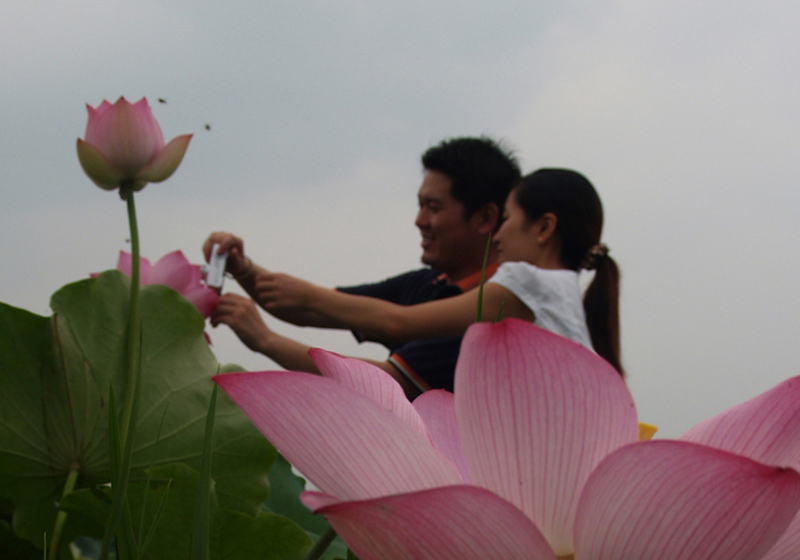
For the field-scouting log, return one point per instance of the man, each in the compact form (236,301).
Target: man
(464,187)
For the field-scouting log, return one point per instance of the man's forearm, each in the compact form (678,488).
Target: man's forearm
(300,317)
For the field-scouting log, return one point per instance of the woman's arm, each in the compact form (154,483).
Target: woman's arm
(241,315)
(386,321)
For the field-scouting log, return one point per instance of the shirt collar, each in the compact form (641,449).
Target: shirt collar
(473,279)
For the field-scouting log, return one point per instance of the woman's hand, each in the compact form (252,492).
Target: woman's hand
(241,315)
(281,291)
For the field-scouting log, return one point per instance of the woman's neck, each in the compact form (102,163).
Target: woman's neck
(549,258)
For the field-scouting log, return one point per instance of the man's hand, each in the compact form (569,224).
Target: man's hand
(241,315)
(281,291)
(237,263)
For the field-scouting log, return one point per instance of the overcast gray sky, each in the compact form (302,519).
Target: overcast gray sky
(683,114)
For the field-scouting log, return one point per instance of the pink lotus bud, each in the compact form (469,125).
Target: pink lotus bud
(124,147)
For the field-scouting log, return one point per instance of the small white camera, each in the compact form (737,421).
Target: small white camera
(215,269)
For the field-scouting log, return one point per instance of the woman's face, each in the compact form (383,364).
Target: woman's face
(516,239)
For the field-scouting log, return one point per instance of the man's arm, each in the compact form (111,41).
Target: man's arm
(241,315)
(246,273)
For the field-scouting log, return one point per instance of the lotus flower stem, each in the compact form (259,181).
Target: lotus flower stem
(479,311)
(321,545)
(133,324)
(61,518)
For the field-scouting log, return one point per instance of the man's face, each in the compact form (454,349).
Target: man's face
(448,238)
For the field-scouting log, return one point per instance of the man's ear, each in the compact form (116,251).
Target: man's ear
(546,226)
(487,218)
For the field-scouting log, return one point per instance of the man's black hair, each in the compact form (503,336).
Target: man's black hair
(482,170)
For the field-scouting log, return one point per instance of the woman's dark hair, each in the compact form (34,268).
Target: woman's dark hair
(572,198)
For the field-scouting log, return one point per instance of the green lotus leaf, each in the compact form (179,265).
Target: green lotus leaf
(54,384)
(14,548)
(233,534)
(284,499)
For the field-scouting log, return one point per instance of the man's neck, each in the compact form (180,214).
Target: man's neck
(476,264)
(471,278)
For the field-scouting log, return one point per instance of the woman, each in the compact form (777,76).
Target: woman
(552,227)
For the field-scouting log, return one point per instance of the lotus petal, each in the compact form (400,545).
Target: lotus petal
(204,298)
(370,381)
(125,265)
(437,409)
(672,500)
(147,122)
(166,161)
(345,443)
(788,545)
(766,428)
(100,170)
(537,413)
(458,522)
(173,270)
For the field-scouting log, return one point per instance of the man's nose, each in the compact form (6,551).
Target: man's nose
(422,219)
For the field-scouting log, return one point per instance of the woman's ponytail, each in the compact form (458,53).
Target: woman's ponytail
(601,305)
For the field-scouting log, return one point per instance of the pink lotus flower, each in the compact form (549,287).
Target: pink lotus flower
(535,457)
(175,271)
(124,146)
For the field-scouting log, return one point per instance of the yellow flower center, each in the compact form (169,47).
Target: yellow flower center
(646,431)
